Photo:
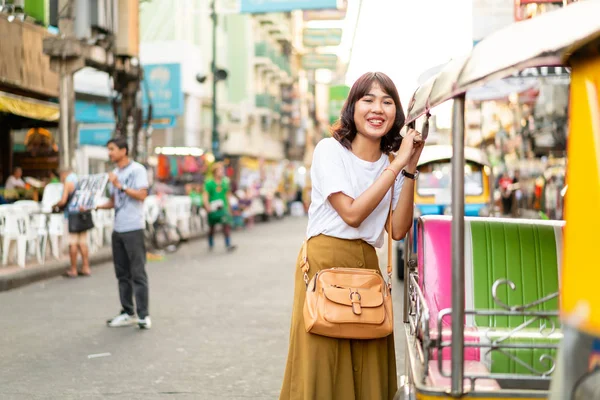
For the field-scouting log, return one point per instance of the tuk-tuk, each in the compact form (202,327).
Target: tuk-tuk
(509,308)
(432,190)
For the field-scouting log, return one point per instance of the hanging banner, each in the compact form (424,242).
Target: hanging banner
(336,14)
(322,37)
(337,98)
(266,6)
(319,61)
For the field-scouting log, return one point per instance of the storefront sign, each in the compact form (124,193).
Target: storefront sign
(558,74)
(339,13)
(319,61)
(164,85)
(95,134)
(337,98)
(92,112)
(265,6)
(322,37)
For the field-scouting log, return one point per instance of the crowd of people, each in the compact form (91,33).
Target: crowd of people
(542,193)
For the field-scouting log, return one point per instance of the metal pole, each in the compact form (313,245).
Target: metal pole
(215,118)
(66,90)
(458,244)
(66,80)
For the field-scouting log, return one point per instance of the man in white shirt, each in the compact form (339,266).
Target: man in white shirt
(16,179)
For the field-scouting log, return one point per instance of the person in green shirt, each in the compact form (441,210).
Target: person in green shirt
(216,194)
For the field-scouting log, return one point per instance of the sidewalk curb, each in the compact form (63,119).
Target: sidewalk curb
(54,268)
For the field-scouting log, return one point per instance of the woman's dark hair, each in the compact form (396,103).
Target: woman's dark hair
(120,142)
(344,130)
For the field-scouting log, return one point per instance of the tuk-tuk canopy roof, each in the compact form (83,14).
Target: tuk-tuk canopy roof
(547,40)
(440,152)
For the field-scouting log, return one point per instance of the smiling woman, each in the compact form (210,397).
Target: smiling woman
(356,189)
(373,88)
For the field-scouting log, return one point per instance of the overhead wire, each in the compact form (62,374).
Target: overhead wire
(356,24)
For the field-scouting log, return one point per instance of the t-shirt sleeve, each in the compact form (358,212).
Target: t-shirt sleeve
(397,189)
(141,179)
(329,172)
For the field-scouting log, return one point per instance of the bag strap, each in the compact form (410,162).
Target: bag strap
(305,266)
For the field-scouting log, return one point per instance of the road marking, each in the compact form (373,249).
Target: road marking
(90,356)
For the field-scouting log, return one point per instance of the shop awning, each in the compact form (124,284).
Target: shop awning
(28,107)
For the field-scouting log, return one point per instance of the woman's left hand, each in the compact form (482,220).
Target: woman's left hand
(417,149)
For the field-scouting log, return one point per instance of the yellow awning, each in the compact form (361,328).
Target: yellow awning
(28,107)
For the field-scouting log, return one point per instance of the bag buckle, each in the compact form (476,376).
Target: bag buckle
(356,308)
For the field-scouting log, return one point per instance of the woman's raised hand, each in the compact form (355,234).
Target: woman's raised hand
(410,150)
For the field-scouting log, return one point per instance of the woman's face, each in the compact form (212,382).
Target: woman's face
(374,113)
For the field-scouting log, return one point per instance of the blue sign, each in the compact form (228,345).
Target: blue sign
(95,135)
(92,112)
(265,6)
(164,83)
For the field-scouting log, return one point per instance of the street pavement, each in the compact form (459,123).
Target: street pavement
(220,326)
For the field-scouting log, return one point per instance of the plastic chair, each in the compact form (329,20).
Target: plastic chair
(151,209)
(29,206)
(184,215)
(18,229)
(297,209)
(56,231)
(40,227)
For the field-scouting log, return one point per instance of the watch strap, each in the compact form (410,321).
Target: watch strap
(409,175)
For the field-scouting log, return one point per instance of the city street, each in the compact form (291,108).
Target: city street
(220,327)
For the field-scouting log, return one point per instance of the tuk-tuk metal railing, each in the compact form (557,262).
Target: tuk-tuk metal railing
(419,319)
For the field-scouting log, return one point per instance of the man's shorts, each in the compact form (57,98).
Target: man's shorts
(79,238)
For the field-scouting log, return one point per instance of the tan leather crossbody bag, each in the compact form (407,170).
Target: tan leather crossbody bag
(349,303)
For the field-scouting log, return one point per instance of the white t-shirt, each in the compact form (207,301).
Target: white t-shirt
(336,169)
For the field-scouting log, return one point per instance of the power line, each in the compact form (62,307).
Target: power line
(360,4)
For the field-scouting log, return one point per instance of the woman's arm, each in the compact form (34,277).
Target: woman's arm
(355,211)
(106,206)
(67,188)
(402,217)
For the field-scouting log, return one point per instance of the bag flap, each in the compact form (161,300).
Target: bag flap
(368,297)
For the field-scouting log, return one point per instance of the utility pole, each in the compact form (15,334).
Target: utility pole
(66,65)
(215,118)
(69,54)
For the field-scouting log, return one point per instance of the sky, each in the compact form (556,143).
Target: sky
(404,38)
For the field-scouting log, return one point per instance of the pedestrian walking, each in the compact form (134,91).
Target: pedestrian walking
(128,189)
(217,191)
(78,238)
(352,178)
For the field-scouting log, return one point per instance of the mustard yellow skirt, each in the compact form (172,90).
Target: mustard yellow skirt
(325,368)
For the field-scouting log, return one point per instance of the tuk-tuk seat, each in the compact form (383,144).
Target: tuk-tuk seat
(526,252)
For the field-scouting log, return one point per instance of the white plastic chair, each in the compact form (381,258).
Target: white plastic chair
(151,209)
(18,229)
(297,209)
(52,195)
(56,231)
(29,206)
(40,227)
(184,215)
(170,207)
(108,218)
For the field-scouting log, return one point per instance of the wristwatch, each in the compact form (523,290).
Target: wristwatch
(409,175)
(124,188)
